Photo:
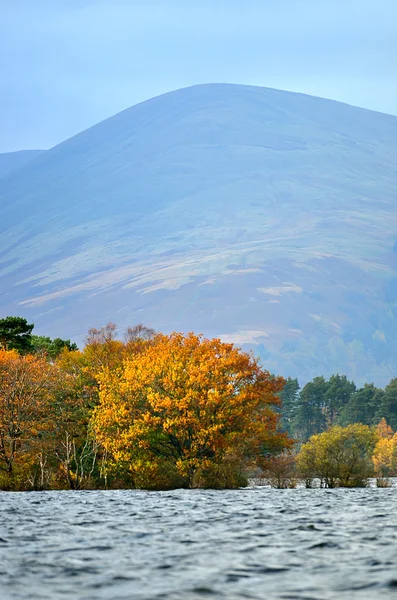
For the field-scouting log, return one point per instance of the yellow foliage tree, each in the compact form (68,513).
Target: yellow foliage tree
(384,457)
(340,456)
(76,451)
(183,406)
(384,430)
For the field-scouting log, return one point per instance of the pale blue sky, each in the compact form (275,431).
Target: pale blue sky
(68,64)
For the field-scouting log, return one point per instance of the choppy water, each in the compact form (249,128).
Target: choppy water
(253,543)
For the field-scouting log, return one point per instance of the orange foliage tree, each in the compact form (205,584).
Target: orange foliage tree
(26,388)
(385,452)
(185,409)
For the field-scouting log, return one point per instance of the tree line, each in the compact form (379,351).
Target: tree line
(338,457)
(150,411)
(159,411)
(321,404)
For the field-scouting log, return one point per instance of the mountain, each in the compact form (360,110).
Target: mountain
(265,217)
(11,161)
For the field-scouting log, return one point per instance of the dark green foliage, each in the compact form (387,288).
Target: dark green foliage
(362,406)
(338,395)
(387,408)
(322,404)
(16,334)
(310,415)
(51,348)
(289,397)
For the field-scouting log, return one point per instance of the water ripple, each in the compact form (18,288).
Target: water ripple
(255,543)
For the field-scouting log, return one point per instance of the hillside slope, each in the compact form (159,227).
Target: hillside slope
(267,217)
(10,161)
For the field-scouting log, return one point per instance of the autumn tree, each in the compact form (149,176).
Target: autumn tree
(383,430)
(340,456)
(385,457)
(75,450)
(139,332)
(79,458)
(385,452)
(102,349)
(26,388)
(279,470)
(185,406)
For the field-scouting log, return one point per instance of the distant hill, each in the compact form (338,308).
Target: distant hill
(266,217)
(10,161)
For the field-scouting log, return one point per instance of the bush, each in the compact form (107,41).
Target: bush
(227,474)
(280,471)
(339,457)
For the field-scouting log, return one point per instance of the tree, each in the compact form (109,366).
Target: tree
(51,348)
(289,397)
(26,387)
(384,430)
(362,406)
(385,456)
(388,404)
(81,461)
(139,332)
(184,406)
(102,349)
(339,391)
(311,417)
(15,334)
(340,456)
(279,470)
(385,452)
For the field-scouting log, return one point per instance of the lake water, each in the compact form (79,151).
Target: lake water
(254,543)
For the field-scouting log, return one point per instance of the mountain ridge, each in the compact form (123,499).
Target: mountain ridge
(11,161)
(220,208)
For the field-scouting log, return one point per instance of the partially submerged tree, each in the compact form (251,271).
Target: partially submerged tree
(183,407)
(340,456)
(385,452)
(280,470)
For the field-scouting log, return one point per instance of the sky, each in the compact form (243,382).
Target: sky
(68,64)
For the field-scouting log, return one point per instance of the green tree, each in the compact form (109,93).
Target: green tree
(387,408)
(289,397)
(362,406)
(15,334)
(338,394)
(310,415)
(52,348)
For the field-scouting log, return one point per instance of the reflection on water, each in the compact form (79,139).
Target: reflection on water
(254,543)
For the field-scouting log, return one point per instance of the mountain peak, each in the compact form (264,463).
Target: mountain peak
(265,216)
